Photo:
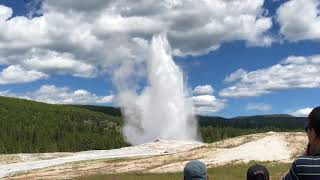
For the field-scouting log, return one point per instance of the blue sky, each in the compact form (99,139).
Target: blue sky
(68,51)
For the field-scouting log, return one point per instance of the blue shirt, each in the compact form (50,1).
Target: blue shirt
(304,168)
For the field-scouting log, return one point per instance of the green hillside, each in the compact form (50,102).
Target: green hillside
(217,128)
(109,110)
(277,122)
(28,126)
(281,122)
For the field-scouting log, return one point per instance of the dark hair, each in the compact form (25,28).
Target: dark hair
(314,120)
(257,172)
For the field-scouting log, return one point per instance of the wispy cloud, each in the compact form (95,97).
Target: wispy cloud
(61,95)
(259,107)
(293,72)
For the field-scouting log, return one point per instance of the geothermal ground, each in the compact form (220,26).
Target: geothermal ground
(159,156)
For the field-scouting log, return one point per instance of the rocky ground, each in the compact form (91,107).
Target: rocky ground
(157,157)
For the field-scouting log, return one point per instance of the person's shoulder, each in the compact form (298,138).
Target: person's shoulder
(305,165)
(307,160)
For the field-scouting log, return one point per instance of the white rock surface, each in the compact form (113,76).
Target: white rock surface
(149,149)
(278,147)
(270,148)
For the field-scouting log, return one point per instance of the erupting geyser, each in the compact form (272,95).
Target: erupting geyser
(163,109)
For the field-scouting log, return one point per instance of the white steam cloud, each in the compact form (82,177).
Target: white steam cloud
(163,109)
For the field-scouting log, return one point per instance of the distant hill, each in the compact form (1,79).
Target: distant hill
(213,129)
(29,126)
(217,128)
(278,121)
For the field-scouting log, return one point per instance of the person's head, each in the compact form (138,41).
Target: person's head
(257,172)
(195,170)
(312,126)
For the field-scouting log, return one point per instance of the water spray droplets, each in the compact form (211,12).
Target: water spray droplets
(164,108)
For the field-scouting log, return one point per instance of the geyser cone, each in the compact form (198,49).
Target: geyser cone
(164,108)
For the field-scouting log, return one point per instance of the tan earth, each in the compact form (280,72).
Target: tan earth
(157,157)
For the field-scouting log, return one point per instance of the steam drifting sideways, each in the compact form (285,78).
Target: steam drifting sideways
(163,109)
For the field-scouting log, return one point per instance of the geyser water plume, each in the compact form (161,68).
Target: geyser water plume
(163,109)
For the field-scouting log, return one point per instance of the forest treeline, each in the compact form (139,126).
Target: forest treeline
(29,126)
(216,128)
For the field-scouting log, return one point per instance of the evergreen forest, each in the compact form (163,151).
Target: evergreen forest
(34,127)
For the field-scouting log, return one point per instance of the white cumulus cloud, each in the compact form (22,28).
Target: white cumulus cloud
(301,112)
(205,102)
(16,74)
(202,90)
(51,61)
(299,20)
(5,12)
(293,72)
(61,95)
(81,37)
